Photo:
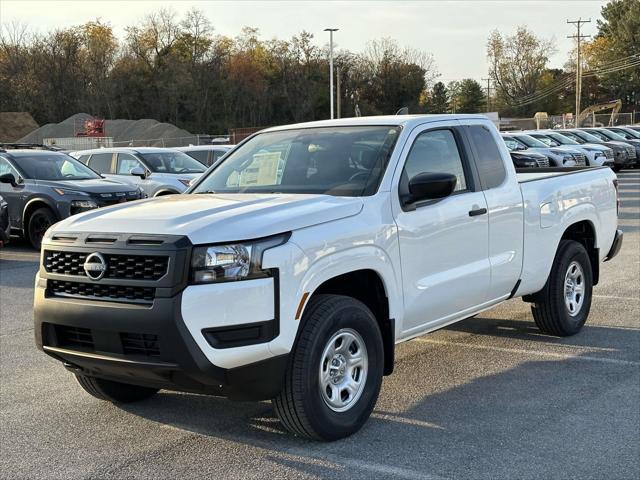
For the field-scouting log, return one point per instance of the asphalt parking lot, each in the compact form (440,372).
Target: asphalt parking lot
(489,397)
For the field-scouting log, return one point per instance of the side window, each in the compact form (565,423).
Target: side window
(126,163)
(217,154)
(5,167)
(101,162)
(488,159)
(436,151)
(83,158)
(200,155)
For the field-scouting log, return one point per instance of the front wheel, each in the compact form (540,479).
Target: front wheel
(39,222)
(561,308)
(335,371)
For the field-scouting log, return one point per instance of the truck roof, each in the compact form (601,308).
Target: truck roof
(391,120)
(124,149)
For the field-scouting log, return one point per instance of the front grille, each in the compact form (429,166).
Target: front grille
(140,344)
(123,267)
(98,291)
(74,337)
(631,152)
(542,162)
(580,159)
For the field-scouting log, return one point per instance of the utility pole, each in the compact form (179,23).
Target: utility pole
(578,23)
(338,91)
(488,93)
(331,30)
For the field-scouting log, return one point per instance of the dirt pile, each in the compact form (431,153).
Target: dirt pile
(14,125)
(144,132)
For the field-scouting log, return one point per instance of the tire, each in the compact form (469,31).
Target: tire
(39,221)
(328,321)
(556,311)
(114,391)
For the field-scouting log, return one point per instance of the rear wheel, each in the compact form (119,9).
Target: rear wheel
(39,222)
(114,391)
(561,308)
(335,372)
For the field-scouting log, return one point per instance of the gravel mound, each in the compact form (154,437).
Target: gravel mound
(14,125)
(143,132)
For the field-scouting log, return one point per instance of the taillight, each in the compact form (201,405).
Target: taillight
(615,184)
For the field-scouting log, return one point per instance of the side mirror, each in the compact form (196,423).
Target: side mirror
(138,172)
(430,186)
(8,178)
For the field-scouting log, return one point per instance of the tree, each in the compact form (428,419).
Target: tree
(471,98)
(438,99)
(517,63)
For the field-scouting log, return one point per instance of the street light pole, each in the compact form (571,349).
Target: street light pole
(331,30)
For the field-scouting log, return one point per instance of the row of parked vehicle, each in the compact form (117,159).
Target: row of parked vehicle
(615,147)
(40,186)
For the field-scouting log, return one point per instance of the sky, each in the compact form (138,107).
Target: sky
(455,32)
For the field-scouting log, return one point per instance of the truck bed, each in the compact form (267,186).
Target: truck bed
(533,174)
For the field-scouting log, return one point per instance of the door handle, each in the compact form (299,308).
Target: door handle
(478,211)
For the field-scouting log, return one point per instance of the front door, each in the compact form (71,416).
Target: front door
(443,243)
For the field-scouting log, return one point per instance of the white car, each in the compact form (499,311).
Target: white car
(206,154)
(292,269)
(596,155)
(158,171)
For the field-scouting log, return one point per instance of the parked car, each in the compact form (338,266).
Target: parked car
(528,159)
(525,158)
(206,154)
(608,135)
(596,155)
(626,132)
(158,171)
(621,151)
(558,157)
(635,128)
(291,269)
(5,224)
(42,187)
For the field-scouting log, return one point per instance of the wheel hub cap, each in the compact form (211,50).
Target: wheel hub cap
(343,370)
(574,289)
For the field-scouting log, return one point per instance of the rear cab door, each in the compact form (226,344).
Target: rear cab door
(443,243)
(499,184)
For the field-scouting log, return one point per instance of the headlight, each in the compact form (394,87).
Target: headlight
(66,191)
(567,158)
(85,204)
(234,261)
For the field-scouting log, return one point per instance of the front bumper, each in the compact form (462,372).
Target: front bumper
(203,339)
(165,355)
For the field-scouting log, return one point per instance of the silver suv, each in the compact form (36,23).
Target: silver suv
(158,171)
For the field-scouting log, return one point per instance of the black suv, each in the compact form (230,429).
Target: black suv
(42,187)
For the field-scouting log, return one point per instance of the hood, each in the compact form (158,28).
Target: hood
(563,150)
(212,218)
(174,176)
(527,154)
(96,185)
(595,147)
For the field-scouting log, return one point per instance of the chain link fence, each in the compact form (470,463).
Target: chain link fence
(568,121)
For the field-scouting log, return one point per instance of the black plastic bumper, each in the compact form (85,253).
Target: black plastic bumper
(177,363)
(616,246)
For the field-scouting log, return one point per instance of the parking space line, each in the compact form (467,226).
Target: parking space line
(524,351)
(615,297)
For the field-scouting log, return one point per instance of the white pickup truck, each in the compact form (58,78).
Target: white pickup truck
(292,269)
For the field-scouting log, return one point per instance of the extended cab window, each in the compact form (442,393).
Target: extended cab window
(436,151)
(488,159)
(200,155)
(101,162)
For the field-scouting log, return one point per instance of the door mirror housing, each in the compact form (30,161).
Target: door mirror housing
(430,186)
(138,172)
(9,178)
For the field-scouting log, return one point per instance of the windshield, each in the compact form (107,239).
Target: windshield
(599,135)
(584,137)
(608,135)
(562,139)
(54,166)
(172,162)
(547,141)
(529,141)
(628,134)
(341,161)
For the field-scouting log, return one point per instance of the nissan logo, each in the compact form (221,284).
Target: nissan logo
(95,266)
